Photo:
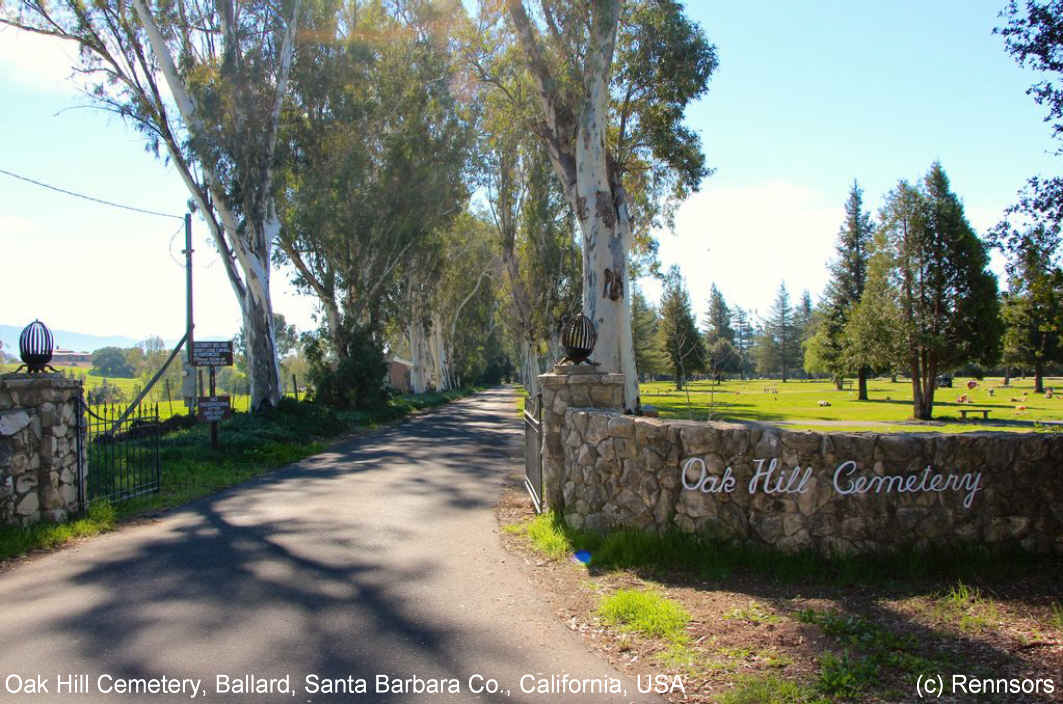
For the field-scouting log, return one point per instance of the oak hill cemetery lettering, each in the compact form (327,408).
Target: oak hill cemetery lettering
(770,479)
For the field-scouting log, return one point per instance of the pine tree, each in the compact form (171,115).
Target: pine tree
(718,324)
(872,335)
(1033,306)
(679,331)
(650,357)
(779,346)
(803,315)
(825,350)
(745,336)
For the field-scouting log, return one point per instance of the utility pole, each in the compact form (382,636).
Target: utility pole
(189,388)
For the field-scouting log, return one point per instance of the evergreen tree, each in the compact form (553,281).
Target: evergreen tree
(745,336)
(779,345)
(872,336)
(1033,306)
(825,349)
(1033,36)
(722,357)
(950,312)
(803,315)
(718,324)
(679,331)
(650,357)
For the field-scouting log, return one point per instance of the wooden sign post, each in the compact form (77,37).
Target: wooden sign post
(213,408)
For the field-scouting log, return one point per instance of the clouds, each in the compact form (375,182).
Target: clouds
(748,238)
(38,62)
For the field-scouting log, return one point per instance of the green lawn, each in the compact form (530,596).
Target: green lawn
(888,408)
(131,387)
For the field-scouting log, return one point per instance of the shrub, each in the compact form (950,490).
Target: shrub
(352,377)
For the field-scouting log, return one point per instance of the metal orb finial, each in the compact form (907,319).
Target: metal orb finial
(35,346)
(578,337)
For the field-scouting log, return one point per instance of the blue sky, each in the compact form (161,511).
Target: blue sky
(808,97)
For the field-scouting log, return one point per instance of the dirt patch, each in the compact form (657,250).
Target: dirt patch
(824,637)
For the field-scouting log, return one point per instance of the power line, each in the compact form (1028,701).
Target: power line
(94,200)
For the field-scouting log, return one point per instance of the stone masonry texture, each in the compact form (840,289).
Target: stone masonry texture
(834,493)
(39,420)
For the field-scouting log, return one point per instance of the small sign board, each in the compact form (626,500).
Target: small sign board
(213,408)
(212,353)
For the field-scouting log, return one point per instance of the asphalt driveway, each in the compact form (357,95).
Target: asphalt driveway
(375,566)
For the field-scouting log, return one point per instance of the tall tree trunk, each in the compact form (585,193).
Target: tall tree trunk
(263,371)
(861,384)
(917,390)
(576,144)
(1007,375)
(250,244)
(924,379)
(440,358)
(257,307)
(1039,376)
(605,280)
(417,357)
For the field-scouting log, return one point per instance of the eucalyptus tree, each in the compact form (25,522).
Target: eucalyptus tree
(539,255)
(203,81)
(531,218)
(1033,36)
(443,304)
(377,148)
(612,81)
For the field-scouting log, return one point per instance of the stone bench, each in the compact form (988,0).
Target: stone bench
(983,411)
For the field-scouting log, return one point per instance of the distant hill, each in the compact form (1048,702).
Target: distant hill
(76,341)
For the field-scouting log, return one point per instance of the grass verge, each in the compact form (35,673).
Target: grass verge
(17,540)
(710,558)
(764,626)
(770,689)
(647,613)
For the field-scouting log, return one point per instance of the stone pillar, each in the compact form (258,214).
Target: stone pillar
(575,387)
(39,419)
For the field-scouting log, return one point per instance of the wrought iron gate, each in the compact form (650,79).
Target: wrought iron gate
(533,455)
(122,453)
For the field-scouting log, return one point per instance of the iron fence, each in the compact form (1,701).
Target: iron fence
(122,453)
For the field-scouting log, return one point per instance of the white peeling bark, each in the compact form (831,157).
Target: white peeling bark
(581,160)
(417,357)
(529,368)
(252,253)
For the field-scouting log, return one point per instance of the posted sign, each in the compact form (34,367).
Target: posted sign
(214,408)
(212,354)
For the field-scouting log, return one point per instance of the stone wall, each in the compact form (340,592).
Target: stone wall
(563,388)
(832,492)
(39,418)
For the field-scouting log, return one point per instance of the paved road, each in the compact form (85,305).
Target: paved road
(378,557)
